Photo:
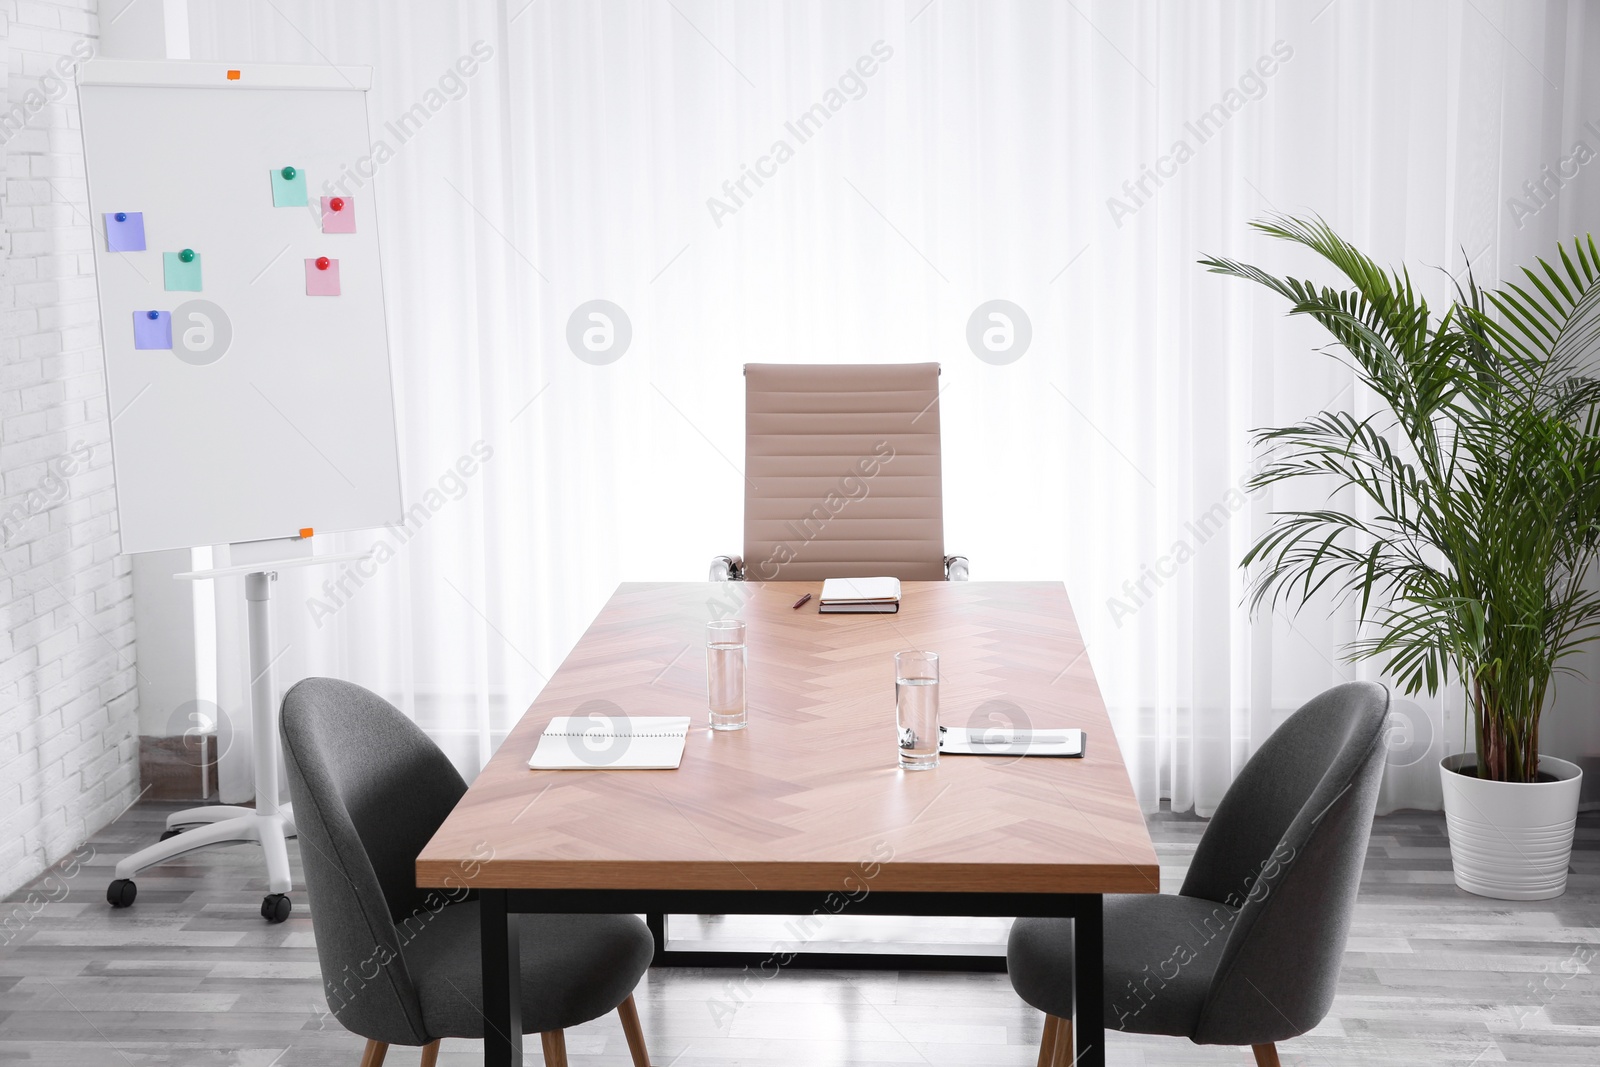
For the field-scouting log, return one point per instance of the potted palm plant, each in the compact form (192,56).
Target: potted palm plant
(1463,520)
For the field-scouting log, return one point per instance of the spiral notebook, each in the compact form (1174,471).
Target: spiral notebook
(602,743)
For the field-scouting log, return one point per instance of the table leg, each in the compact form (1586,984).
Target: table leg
(502,979)
(657,922)
(1088,954)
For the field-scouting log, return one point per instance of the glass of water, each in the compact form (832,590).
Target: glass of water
(725,656)
(916,708)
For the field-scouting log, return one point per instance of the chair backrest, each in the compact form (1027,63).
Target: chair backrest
(1288,842)
(369,790)
(842,475)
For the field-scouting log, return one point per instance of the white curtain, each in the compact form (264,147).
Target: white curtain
(1074,159)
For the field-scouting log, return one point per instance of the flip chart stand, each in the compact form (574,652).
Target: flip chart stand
(269,824)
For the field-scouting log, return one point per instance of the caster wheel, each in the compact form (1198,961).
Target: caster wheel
(120,893)
(274,908)
(165,834)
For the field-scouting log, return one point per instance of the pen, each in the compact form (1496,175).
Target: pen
(801,601)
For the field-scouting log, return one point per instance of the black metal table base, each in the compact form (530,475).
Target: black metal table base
(500,909)
(778,958)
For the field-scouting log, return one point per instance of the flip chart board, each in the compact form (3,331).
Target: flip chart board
(272,409)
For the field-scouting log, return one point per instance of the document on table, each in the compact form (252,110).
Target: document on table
(962,741)
(607,743)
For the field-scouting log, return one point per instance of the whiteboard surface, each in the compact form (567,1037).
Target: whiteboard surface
(294,425)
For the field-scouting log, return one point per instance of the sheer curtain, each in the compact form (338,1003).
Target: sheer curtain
(844,182)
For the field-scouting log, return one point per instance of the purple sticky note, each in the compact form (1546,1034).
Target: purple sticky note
(322,281)
(338,214)
(124,231)
(152,329)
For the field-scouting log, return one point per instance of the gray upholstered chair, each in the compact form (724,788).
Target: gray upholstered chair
(401,964)
(1248,951)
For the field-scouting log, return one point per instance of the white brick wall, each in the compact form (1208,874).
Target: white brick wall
(69,757)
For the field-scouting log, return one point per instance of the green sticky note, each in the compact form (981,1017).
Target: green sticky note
(288,192)
(180,275)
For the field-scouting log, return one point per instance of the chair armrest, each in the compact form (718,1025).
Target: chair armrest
(727,569)
(955,568)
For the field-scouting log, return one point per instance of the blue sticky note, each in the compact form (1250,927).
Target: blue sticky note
(124,231)
(180,275)
(288,187)
(151,332)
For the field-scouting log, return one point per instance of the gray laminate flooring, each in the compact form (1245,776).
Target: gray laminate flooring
(192,976)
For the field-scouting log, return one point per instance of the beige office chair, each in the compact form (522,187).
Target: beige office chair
(842,477)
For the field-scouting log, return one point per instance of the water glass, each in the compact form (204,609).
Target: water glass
(916,708)
(725,660)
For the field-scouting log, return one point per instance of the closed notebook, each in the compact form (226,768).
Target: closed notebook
(604,743)
(860,596)
(961,741)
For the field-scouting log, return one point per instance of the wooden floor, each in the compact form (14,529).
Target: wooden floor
(191,975)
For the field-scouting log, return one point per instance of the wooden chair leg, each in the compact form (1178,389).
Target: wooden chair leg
(1047,1043)
(555,1048)
(430,1054)
(1266,1055)
(634,1033)
(375,1051)
(1063,1055)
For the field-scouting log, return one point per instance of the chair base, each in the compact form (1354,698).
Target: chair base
(555,1043)
(222,825)
(1266,1055)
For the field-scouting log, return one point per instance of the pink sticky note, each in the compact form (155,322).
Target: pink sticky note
(322,281)
(338,214)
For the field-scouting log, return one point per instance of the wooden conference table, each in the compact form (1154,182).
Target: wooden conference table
(806,810)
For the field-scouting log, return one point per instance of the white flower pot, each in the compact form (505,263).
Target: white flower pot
(1511,840)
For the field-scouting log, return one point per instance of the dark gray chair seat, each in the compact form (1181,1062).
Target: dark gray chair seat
(1140,931)
(400,964)
(1248,951)
(574,968)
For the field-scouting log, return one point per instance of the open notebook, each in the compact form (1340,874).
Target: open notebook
(603,743)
